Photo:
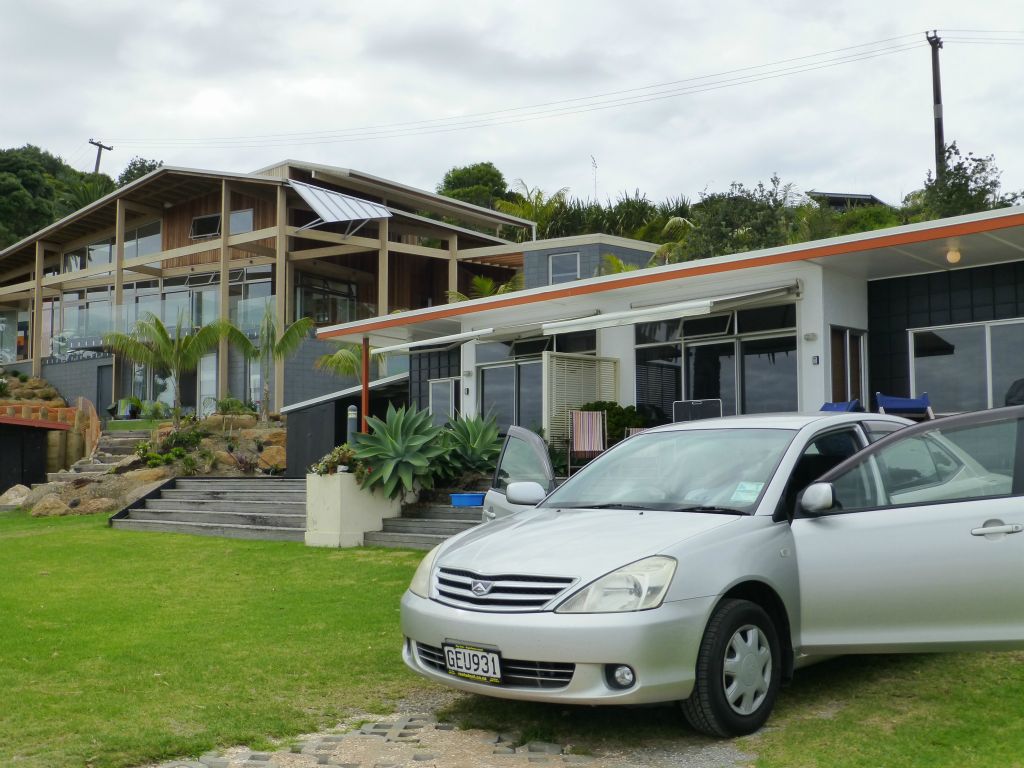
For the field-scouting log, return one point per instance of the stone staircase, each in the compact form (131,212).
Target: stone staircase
(111,448)
(424,525)
(270,509)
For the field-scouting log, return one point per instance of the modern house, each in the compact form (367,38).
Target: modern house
(936,307)
(190,246)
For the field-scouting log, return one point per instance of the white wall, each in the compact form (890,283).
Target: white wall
(468,399)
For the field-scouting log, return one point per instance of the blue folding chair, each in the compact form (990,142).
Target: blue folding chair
(843,406)
(912,407)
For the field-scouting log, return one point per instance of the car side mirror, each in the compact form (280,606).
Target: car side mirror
(817,499)
(526,493)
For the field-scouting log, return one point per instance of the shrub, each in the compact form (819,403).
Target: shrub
(143,448)
(188,439)
(618,418)
(189,465)
(233,406)
(247,462)
(3,388)
(154,409)
(22,377)
(340,458)
(399,451)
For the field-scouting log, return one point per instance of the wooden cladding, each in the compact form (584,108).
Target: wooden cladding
(177,225)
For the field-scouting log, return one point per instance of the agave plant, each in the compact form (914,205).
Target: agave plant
(475,443)
(399,452)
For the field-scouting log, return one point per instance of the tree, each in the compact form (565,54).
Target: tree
(268,347)
(613,265)
(347,360)
(482,286)
(480,184)
(137,168)
(533,204)
(27,193)
(173,352)
(968,185)
(82,190)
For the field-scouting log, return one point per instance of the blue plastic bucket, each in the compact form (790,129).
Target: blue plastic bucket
(467,499)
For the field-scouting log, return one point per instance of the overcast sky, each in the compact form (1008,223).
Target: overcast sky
(235,85)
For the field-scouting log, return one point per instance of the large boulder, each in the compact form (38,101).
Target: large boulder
(273,457)
(219,422)
(128,463)
(225,459)
(92,506)
(266,436)
(148,475)
(50,506)
(16,494)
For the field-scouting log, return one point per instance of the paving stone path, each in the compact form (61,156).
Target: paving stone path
(419,741)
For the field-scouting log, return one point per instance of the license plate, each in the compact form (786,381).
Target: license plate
(472,662)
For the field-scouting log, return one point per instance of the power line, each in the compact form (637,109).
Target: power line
(641,95)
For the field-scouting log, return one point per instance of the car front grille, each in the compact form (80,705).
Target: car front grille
(515,673)
(508,593)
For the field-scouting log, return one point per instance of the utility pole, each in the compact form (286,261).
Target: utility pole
(940,143)
(100,146)
(593,164)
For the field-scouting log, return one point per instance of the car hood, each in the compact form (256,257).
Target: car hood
(580,543)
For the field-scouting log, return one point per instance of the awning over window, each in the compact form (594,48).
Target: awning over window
(455,338)
(672,311)
(332,207)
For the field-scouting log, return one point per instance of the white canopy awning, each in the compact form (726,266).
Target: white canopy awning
(332,207)
(671,311)
(455,338)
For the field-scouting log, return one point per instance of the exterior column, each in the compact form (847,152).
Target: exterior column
(382,269)
(37,313)
(453,262)
(281,294)
(365,381)
(119,314)
(225,313)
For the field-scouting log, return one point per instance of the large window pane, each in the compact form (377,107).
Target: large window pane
(529,388)
(442,407)
(659,382)
(498,394)
(1007,359)
(711,373)
(949,365)
(565,267)
(769,375)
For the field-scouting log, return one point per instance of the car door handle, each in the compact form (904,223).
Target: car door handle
(994,529)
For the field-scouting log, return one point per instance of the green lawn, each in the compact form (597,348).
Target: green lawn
(118,648)
(115,425)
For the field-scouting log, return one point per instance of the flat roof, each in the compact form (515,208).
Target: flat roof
(981,238)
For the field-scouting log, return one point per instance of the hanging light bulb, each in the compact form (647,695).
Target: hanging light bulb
(953,256)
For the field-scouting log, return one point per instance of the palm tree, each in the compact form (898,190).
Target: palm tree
(481,286)
(268,347)
(531,203)
(613,265)
(172,351)
(346,360)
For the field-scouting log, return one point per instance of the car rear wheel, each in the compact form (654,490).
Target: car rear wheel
(738,671)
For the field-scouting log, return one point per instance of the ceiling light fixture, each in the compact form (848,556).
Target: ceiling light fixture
(953,256)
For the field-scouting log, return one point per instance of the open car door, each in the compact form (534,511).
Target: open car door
(524,457)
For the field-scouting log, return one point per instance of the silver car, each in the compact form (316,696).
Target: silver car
(702,563)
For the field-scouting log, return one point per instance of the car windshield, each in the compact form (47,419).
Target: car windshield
(700,470)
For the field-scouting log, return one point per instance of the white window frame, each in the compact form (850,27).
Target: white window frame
(451,398)
(551,272)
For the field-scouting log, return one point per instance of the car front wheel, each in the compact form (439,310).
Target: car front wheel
(738,671)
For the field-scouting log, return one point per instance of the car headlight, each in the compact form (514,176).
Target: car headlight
(634,587)
(420,584)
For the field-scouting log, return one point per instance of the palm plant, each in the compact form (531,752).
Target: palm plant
(613,265)
(171,351)
(481,286)
(531,203)
(269,346)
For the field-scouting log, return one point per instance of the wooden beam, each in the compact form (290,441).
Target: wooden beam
(256,248)
(382,269)
(453,263)
(330,250)
(333,270)
(102,269)
(37,312)
(27,285)
(335,237)
(118,304)
(151,271)
(418,250)
(225,259)
(281,292)
(147,210)
(247,237)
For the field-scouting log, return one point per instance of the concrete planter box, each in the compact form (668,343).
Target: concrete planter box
(339,512)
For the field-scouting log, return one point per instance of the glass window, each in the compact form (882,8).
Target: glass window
(498,395)
(659,382)
(205,226)
(176,308)
(442,401)
(326,301)
(1007,360)
(529,403)
(766,318)
(75,260)
(101,253)
(581,342)
(707,326)
(564,267)
(658,333)
(950,364)
(711,373)
(876,430)
(519,463)
(493,351)
(530,347)
(769,375)
(206,397)
(241,222)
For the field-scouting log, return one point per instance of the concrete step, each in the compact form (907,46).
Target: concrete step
(117,450)
(236,495)
(91,467)
(156,511)
(226,505)
(407,540)
(432,527)
(124,434)
(224,530)
(441,512)
(269,484)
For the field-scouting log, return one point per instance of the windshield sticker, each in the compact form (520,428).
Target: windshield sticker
(746,492)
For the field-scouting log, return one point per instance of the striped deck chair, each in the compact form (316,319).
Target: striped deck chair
(588,435)
(630,431)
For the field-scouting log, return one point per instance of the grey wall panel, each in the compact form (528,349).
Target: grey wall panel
(78,378)
(303,382)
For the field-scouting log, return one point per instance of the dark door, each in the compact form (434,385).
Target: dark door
(104,390)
